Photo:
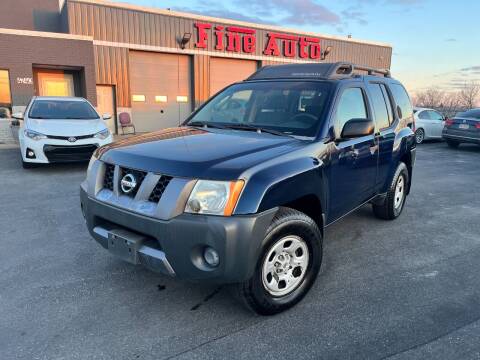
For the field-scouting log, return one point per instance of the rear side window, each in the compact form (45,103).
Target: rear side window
(402,100)
(350,106)
(382,115)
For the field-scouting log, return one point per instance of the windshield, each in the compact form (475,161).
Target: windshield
(62,109)
(287,107)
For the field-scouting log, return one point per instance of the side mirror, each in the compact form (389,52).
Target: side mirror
(18,115)
(106,116)
(355,128)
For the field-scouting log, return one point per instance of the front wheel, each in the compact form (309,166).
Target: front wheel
(396,196)
(288,266)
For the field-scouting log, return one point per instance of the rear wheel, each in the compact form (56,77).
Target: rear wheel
(396,196)
(419,136)
(288,265)
(452,143)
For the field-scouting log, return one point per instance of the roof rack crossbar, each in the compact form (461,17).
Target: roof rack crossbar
(373,71)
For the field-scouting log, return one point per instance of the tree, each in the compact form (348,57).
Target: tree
(430,98)
(447,102)
(469,94)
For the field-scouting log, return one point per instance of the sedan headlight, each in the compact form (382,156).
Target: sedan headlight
(102,135)
(34,135)
(214,197)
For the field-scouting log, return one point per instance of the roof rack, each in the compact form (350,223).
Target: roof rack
(339,70)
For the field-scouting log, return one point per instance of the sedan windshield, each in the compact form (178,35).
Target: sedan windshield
(62,109)
(279,107)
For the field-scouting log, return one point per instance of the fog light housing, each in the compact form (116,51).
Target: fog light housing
(30,154)
(210,255)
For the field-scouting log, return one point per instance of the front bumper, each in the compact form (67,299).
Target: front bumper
(175,246)
(53,150)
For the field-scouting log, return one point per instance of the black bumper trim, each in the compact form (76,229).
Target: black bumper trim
(238,239)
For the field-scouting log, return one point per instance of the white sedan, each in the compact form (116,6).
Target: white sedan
(60,129)
(429,124)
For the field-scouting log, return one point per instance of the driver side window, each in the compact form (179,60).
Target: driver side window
(350,106)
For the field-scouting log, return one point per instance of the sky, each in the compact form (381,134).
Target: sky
(436,43)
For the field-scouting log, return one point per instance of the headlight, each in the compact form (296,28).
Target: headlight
(34,135)
(102,135)
(214,197)
(90,164)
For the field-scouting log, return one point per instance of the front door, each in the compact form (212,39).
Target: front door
(436,123)
(353,165)
(106,104)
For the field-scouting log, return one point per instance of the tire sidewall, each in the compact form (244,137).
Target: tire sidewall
(401,171)
(420,131)
(311,235)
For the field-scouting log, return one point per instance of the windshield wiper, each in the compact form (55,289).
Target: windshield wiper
(257,129)
(205,124)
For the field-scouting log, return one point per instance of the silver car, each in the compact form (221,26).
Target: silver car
(429,124)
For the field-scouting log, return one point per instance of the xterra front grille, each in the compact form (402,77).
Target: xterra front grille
(139,177)
(108,178)
(157,192)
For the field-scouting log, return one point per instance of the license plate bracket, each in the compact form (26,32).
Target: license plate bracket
(125,245)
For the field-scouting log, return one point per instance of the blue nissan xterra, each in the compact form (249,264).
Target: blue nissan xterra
(241,193)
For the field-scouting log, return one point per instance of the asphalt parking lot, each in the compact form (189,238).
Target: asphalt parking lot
(408,289)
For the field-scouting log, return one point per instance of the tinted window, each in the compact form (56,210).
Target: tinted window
(475,113)
(350,106)
(377,99)
(62,109)
(435,116)
(402,100)
(294,108)
(424,115)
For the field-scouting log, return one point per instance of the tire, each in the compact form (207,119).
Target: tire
(393,205)
(305,247)
(419,136)
(452,143)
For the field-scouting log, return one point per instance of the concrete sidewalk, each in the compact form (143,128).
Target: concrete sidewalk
(7,138)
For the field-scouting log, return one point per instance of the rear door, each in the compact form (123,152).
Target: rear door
(384,132)
(353,162)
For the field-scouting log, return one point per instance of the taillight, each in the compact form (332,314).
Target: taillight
(449,122)
(477,125)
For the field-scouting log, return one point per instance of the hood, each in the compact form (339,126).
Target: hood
(197,153)
(66,127)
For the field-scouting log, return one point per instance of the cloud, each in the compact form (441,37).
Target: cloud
(451,40)
(278,12)
(225,13)
(354,14)
(471,69)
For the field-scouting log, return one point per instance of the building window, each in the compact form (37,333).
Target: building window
(138,98)
(161,98)
(182,99)
(5,96)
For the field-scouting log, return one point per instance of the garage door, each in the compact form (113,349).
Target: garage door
(160,88)
(224,71)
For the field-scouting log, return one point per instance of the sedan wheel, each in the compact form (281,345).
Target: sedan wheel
(419,136)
